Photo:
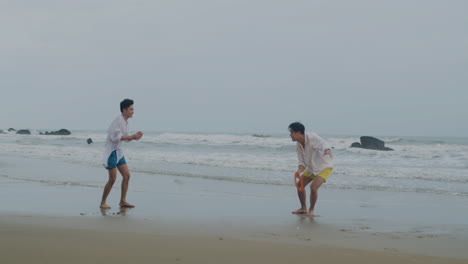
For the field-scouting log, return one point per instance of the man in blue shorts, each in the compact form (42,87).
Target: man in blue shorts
(113,155)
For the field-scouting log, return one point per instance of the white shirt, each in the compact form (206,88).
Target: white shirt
(311,156)
(117,129)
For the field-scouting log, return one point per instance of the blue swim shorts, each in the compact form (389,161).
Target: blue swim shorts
(112,160)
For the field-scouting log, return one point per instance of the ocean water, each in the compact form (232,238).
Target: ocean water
(435,166)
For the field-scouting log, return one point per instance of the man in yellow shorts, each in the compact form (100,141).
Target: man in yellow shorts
(315,164)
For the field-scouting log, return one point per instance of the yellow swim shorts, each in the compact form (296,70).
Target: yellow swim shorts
(323,174)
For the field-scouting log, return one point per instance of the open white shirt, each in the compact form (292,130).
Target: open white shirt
(117,129)
(311,156)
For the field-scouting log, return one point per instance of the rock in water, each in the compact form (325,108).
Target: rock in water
(373,143)
(23,132)
(89,141)
(61,132)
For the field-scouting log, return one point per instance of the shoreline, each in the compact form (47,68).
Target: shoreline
(211,209)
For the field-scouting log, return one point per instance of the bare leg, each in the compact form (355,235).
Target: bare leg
(302,197)
(316,183)
(123,169)
(108,187)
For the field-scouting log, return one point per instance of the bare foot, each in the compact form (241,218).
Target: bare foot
(125,204)
(299,211)
(104,206)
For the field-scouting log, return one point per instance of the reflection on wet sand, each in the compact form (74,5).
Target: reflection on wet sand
(122,211)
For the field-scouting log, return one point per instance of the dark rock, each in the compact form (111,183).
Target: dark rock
(89,140)
(373,143)
(61,132)
(23,132)
(11,129)
(356,145)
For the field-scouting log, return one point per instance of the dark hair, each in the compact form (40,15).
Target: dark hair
(297,127)
(126,103)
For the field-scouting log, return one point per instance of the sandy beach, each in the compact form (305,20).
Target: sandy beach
(215,106)
(31,240)
(56,219)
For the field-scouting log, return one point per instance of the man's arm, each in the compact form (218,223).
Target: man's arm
(320,144)
(300,169)
(328,152)
(137,136)
(300,159)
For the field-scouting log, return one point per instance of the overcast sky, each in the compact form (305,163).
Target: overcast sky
(361,67)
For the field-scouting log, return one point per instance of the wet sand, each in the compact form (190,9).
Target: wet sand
(52,216)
